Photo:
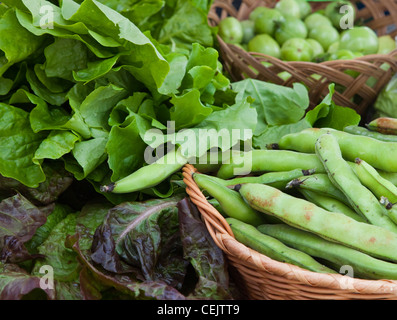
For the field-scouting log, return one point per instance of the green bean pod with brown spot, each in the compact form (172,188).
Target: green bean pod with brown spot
(302,214)
(362,200)
(386,125)
(331,204)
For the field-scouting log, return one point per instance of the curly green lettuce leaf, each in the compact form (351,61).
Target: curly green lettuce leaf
(326,114)
(223,129)
(177,31)
(145,62)
(56,145)
(57,181)
(276,105)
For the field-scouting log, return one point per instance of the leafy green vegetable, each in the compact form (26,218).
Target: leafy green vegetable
(56,216)
(16,43)
(326,114)
(58,180)
(18,145)
(385,104)
(101,74)
(276,105)
(57,144)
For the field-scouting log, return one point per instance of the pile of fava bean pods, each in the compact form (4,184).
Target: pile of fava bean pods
(321,199)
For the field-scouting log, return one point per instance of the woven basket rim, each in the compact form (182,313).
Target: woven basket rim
(223,236)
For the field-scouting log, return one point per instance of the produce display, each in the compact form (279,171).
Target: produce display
(292,31)
(104,104)
(339,211)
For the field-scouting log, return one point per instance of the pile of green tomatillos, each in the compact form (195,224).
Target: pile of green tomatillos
(321,199)
(292,31)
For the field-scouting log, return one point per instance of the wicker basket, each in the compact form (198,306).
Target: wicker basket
(352,92)
(262,278)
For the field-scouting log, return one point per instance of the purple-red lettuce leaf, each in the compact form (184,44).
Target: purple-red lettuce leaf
(205,256)
(145,236)
(17,284)
(15,251)
(19,220)
(95,282)
(61,257)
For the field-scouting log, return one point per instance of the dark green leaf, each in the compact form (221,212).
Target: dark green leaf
(18,145)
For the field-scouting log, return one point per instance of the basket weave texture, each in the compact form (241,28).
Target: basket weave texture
(379,15)
(262,278)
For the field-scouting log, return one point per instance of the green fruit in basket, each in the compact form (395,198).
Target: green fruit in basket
(284,75)
(304,8)
(359,39)
(326,35)
(296,49)
(344,54)
(230,30)
(248,30)
(340,13)
(263,43)
(268,21)
(322,57)
(315,20)
(386,44)
(256,12)
(316,46)
(289,8)
(290,28)
(333,47)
